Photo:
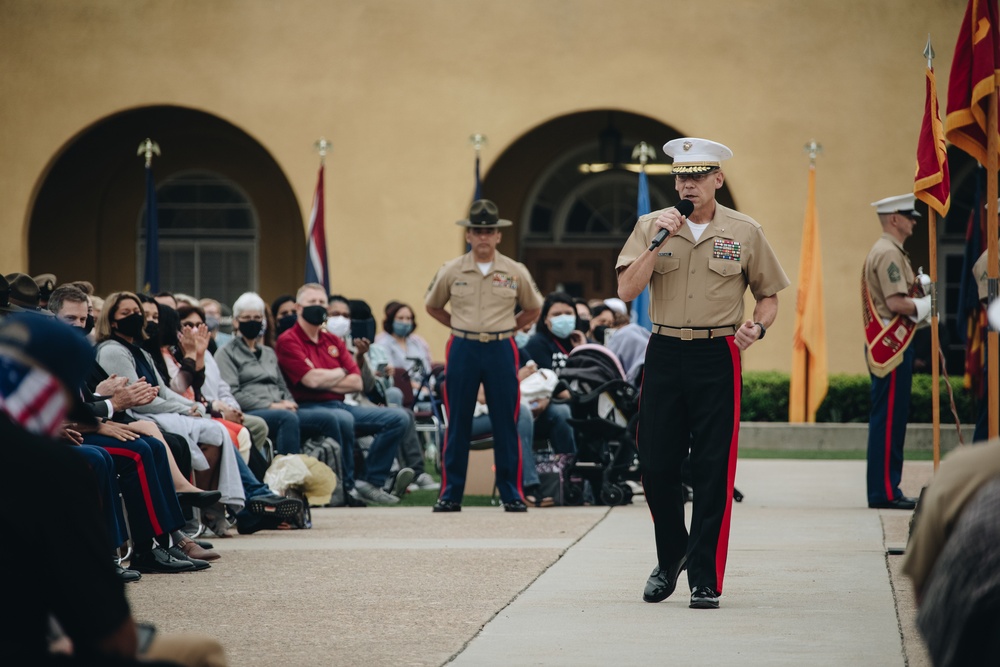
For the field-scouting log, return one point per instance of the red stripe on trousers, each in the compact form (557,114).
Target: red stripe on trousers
(517,414)
(889,491)
(143,484)
(447,410)
(722,547)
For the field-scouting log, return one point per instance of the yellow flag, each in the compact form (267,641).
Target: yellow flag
(809,372)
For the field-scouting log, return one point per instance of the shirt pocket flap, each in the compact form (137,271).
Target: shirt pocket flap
(725,267)
(666,264)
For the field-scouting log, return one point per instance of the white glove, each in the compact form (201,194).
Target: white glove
(923,305)
(925,283)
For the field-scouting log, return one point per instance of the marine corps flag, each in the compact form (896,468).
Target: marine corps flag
(809,381)
(932,184)
(977,57)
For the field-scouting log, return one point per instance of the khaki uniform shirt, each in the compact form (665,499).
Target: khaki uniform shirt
(701,284)
(483,304)
(981,275)
(887,272)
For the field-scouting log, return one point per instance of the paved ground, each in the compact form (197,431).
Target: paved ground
(808,582)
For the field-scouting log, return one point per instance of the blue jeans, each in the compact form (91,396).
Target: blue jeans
(525,431)
(287,428)
(388,425)
(554,424)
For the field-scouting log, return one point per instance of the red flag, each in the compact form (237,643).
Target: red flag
(973,78)
(932,184)
(316,265)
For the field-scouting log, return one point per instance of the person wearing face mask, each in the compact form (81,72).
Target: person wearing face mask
(555,336)
(406,349)
(321,372)
(284,315)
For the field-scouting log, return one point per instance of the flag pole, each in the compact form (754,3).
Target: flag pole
(993,372)
(935,342)
(151,271)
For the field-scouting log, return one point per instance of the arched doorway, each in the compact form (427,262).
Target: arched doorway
(84,216)
(571,189)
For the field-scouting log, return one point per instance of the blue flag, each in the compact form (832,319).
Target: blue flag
(151,278)
(640,305)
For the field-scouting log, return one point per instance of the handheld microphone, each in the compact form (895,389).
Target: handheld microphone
(685,208)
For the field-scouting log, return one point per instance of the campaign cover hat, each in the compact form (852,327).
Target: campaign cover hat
(23,290)
(46,283)
(696,156)
(484,214)
(6,307)
(903,204)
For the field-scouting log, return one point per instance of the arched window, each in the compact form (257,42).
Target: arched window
(208,237)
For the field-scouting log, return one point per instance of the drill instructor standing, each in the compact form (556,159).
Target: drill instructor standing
(484,289)
(690,398)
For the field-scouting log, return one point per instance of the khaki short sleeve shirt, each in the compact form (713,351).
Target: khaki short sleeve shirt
(887,272)
(483,304)
(701,284)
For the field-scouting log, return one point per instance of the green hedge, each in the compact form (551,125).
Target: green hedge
(765,399)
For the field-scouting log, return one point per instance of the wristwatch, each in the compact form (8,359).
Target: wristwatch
(762,330)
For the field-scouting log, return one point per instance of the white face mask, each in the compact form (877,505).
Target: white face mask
(339,326)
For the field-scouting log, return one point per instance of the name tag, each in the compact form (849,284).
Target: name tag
(726,249)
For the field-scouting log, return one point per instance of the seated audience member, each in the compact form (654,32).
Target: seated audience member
(629,345)
(320,372)
(405,348)
(214,320)
(166,298)
(953,561)
(582,315)
(251,369)
(554,338)
(601,318)
(81,594)
(284,314)
(144,473)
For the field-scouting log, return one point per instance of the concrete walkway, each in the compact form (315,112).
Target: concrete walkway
(808,582)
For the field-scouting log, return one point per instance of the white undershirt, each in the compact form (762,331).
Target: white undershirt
(697,229)
(484,267)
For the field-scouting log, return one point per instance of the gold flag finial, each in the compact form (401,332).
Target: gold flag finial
(643,152)
(323,147)
(478,141)
(813,149)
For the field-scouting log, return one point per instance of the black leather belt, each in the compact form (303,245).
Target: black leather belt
(482,337)
(692,334)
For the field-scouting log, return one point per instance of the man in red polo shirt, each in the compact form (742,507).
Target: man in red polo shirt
(320,371)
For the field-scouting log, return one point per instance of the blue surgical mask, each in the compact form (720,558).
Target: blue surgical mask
(562,325)
(522,338)
(401,329)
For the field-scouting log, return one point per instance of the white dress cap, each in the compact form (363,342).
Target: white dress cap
(905,204)
(696,156)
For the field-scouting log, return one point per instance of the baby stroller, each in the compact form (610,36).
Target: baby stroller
(604,407)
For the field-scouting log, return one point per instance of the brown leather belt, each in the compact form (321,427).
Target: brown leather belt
(692,334)
(484,337)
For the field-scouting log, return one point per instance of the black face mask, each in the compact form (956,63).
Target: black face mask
(599,334)
(582,324)
(131,325)
(315,315)
(88,325)
(153,330)
(285,323)
(251,329)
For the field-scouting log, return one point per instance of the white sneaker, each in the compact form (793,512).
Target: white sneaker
(373,494)
(424,482)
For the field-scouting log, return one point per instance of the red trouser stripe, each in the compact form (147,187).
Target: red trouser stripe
(722,548)
(444,445)
(517,414)
(889,492)
(143,484)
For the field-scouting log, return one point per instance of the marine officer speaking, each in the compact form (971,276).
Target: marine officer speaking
(484,289)
(690,397)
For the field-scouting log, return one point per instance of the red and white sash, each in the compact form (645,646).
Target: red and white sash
(886,342)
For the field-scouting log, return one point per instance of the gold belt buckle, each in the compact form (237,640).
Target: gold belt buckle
(687,334)
(484,337)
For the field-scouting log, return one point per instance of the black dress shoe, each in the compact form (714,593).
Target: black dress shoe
(204,544)
(901,503)
(199,499)
(662,582)
(179,554)
(703,597)
(516,505)
(158,561)
(127,575)
(446,506)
